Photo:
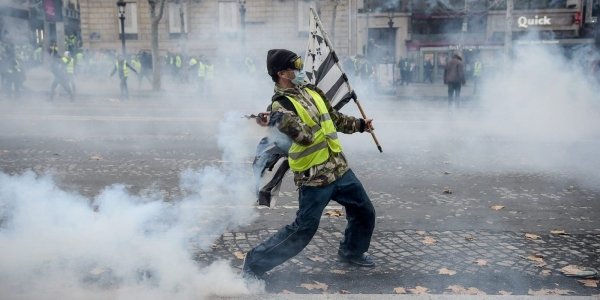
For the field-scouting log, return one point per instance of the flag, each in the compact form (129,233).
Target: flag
(322,66)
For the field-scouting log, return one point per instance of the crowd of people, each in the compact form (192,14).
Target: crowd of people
(195,70)
(198,70)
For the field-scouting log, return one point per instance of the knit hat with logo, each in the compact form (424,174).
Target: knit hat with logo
(280,59)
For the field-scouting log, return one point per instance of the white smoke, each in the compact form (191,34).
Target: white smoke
(61,245)
(540,114)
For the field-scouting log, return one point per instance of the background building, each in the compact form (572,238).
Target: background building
(217,26)
(383,31)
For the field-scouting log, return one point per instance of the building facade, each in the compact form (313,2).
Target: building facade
(213,27)
(384,31)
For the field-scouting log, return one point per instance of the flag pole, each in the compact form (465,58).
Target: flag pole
(354,97)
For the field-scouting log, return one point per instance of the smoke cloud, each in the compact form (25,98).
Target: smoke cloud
(61,245)
(539,114)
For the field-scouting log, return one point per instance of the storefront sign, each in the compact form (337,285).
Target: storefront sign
(524,22)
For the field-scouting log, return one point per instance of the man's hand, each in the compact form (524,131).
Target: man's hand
(369,125)
(262,119)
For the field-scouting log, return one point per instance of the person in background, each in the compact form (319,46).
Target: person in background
(454,77)
(69,63)
(58,68)
(123,67)
(477,70)
(428,71)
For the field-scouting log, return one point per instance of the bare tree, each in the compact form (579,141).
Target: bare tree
(156,13)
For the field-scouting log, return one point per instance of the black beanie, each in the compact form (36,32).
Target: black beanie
(279,59)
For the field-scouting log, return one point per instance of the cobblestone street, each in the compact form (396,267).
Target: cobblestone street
(447,221)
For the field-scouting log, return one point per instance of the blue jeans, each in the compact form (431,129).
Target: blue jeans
(291,239)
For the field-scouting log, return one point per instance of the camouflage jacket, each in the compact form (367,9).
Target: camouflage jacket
(284,117)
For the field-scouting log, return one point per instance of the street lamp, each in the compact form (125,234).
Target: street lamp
(243,19)
(182,23)
(391,35)
(121,5)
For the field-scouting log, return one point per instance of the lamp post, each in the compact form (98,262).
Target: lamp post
(391,36)
(243,19)
(182,23)
(121,5)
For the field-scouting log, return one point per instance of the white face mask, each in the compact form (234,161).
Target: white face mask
(299,77)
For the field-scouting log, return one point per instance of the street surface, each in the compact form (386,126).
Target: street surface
(459,211)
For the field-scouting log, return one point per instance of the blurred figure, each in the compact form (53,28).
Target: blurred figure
(477,70)
(69,63)
(38,55)
(53,51)
(122,67)
(146,68)
(201,74)
(210,78)
(428,71)
(59,71)
(13,73)
(454,77)
(404,66)
(80,61)
(366,73)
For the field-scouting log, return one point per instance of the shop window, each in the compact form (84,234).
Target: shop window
(229,17)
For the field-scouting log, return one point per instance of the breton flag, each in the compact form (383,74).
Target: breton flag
(322,66)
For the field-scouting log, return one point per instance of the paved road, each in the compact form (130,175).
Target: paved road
(453,209)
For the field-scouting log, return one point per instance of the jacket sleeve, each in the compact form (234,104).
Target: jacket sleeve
(343,123)
(290,124)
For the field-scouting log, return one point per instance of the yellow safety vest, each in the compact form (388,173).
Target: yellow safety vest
(477,69)
(137,65)
(125,69)
(70,64)
(302,158)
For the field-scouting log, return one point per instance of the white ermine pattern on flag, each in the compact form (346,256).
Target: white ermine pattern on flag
(322,67)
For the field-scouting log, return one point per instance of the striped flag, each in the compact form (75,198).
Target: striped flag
(322,66)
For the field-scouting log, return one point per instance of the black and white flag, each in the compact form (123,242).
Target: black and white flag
(322,66)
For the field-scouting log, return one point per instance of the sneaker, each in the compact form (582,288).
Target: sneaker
(248,274)
(359,260)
